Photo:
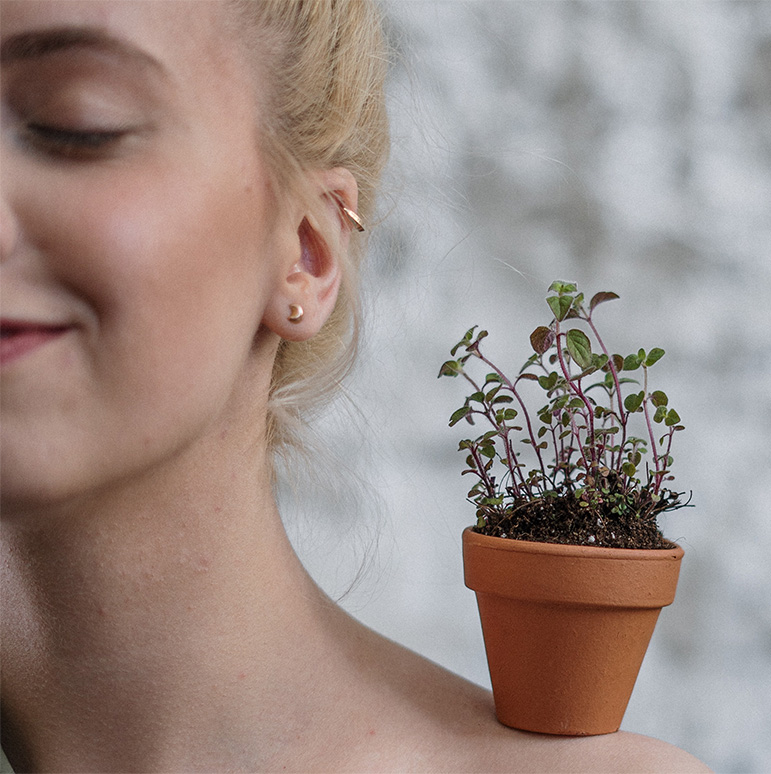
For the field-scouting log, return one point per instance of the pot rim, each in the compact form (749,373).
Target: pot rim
(673,551)
(565,574)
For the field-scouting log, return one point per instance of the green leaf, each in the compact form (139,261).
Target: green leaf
(629,469)
(659,398)
(660,415)
(579,347)
(560,286)
(599,298)
(450,368)
(459,414)
(491,395)
(560,306)
(654,356)
(478,397)
(547,382)
(633,401)
(541,339)
(672,418)
(631,362)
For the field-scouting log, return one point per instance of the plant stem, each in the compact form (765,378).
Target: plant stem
(651,435)
(502,430)
(512,388)
(622,416)
(576,388)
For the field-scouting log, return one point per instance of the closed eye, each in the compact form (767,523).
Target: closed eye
(72,143)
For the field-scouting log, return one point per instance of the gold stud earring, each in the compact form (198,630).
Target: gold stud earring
(295,313)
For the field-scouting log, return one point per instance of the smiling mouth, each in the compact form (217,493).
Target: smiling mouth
(18,338)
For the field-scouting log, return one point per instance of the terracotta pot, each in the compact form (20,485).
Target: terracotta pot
(566,627)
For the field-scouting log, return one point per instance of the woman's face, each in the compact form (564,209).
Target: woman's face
(138,243)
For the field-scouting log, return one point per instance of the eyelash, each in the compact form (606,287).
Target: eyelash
(73,142)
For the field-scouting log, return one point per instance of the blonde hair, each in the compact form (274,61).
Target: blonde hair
(325,65)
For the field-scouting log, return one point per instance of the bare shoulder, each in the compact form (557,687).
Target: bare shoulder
(482,744)
(445,723)
(617,753)
(419,717)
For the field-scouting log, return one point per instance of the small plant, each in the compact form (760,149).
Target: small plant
(589,480)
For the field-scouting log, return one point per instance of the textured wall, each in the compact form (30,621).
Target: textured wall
(627,146)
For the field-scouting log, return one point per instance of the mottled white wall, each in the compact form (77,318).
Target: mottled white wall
(625,145)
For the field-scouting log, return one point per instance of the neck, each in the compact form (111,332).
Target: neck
(145,631)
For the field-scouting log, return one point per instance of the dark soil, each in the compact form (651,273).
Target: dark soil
(562,520)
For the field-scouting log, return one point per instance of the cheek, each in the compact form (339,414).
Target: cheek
(172,273)
(166,246)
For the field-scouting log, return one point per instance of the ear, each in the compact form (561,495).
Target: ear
(310,278)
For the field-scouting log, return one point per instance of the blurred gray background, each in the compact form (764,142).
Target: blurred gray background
(625,145)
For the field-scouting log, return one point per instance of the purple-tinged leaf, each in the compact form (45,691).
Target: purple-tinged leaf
(599,298)
(541,339)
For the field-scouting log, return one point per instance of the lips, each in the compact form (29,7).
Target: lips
(18,339)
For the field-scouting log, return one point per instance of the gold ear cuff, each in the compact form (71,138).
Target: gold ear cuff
(353,219)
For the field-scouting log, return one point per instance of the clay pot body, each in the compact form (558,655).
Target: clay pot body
(566,627)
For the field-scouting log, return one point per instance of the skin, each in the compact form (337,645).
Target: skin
(155,616)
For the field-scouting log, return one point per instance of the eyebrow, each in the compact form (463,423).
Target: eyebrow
(42,43)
